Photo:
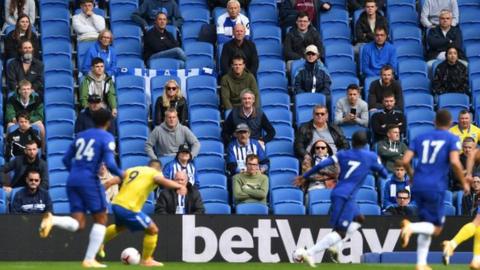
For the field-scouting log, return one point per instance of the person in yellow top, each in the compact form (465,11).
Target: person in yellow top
(465,128)
(127,206)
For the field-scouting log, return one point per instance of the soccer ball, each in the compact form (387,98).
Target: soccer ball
(297,255)
(130,256)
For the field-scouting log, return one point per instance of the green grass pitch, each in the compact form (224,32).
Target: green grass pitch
(219,266)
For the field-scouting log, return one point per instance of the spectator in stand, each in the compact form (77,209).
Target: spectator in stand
(471,201)
(240,147)
(171,201)
(451,76)
(251,185)
(351,109)
(312,77)
(468,146)
(388,115)
(171,98)
(23,31)
(402,207)
(22,164)
(146,13)
(359,4)
(239,45)
(256,120)
(183,162)
(166,139)
(86,24)
(97,82)
(32,199)
(159,43)
(429,17)
(17,139)
(287,14)
(385,84)
(25,67)
(464,128)
(319,128)
(311,7)
(398,181)
(378,53)
(299,38)
(370,19)
(102,48)
(391,148)
(235,81)
(84,119)
(223,3)
(441,37)
(13,6)
(104,175)
(229,19)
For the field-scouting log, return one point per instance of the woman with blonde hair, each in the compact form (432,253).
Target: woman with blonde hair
(171,98)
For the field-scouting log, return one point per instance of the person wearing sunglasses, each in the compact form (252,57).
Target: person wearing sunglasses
(31,199)
(402,207)
(171,98)
(312,77)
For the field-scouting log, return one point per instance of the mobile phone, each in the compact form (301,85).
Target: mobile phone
(353,111)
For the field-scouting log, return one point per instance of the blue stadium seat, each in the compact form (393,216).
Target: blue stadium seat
(216,208)
(198,49)
(134,112)
(287,195)
(195,14)
(283,133)
(279,148)
(148,207)
(450,210)
(60,47)
(45,4)
(262,15)
(412,67)
(201,84)
(402,16)
(469,15)
(165,63)
(319,196)
(368,209)
(58,146)
(130,82)
(214,179)
(408,49)
(338,51)
(279,116)
(214,194)
(190,32)
(60,129)
(319,208)
(128,97)
(349,130)
(58,81)
(335,33)
(415,84)
(271,66)
(335,15)
(204,115)
(472,51)
(267,32)
(3,202)
(470,34)
(191,3)
(309,100)
(414,131)
(366,195)
(272,83)
(55,114)
(275,100)
(283,164)
(269,49)
(418,100)
(453,100)
(251,209)
(133,131)
(338,67)
(296,66)
(82,48)
(281,180)
(55,163)
(206,131)
(448,199)
(59,97)
(199,61)
(166,159)
(132,146)
(61,208)
(369,182)
(288,209)
(58,194)
(57,179)
(124,61)
(341,82)
(55,30)
(203,100)
(420,116)
(367,82)
(303,115)
(121,11)
(211,148)
(209,164)
(57,64)
(128,161)
(128,46)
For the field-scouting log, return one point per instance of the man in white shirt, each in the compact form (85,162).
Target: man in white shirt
(229,19)
(87,24)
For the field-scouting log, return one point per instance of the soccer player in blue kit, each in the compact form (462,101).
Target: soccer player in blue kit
(435,150)
(345,217)
(85,192)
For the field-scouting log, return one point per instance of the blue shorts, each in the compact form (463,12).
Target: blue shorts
(134,221)
(343,211)
(430,205)
(87,198)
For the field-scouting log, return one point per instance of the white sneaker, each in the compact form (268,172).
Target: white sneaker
(301,255)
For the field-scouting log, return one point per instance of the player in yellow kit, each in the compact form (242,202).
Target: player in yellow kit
(127,207)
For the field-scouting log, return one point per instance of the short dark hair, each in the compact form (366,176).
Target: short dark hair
(153,161)
(251,156)
(388,94)
(359,139)
(23,114)
(238,56)
(443,118)
(353,86)
(302,14)
(381,28)
(387,67)
(391,126)
(97,60)
(86,1)
(32,170)
(101,117)
(370,1)
(160,13)
(31,142)
(398,163)
(403,191)
(463,112)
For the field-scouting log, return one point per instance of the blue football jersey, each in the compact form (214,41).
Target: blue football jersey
(432,151)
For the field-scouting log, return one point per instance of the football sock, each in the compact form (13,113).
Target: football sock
(352,228)
(149,245)
(110,233)
(423,244)
(95,240)
(476,244)
(66,223)
(422,228)
(467,231)
(326,242)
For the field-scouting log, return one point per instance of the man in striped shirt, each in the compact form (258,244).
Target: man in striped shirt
(182,162)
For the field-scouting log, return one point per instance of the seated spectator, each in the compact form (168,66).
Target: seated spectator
(397,182)
(104,175)
(86,24)
(391,148)
(22,164)
(386,83)
(239,45)
(146,13)
(251,185)
(12,13)
(471,201)
(102,48)
(351,109)
(235,81)
(171,98)
(299,38)
(229,19)
(359,4)
(159,43)
(171,201)
(287,14)
(25,100)
(23,31)
(32,199)
(166,138)
(25,67)
(318,128)
(312,77)
(97,82)
(468,146)
(441,37)
(256,120)
(402,207)
(370,19)
(326,177)
(17,139)
(183,162)
(311,8)
(84,119)
(378,53)
(388,115)
(223,3)
(451,76)
(240,147)
(464,128)
(429,16)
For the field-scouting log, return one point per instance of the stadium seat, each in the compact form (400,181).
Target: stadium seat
(283,164)
(272,83)
(408,49)
(133,112)
(203,115)
(211,148)
(283,133)
(190,32)
(59,130)
(417,100)
(309,100)
(132,146)
(128,46)
(449,210)
(419,116)
(341,82)
(279,148)
(275,100)
(469,15)
(472,51)
(339,67)
(55,163)
(415,84)
(206,131)
(129,83)
(165,63)
(61,208)
(366,195)
(133,131)
(55,114)
(281,180)
(190,3)
(279,116)
(55,81)
(335,33)
(288,209)
(340,51)
(334,15)
(203,100)
(209,164)
(199,61)
(319,196)
(448,199)
(57,179)
(201,84)
(262,15)
(251,209)
(124,30)
(303,115)
(287,194)
(271,66)
(121,11)
(58,194)
(133,61)
(59,97)
(368,209)
(399,16)
(296,66)
(208,180)
(269,49)
(214,194)
(128,97)
(349,130)
(266,32)
(195,14)
(470,34)
(319,208)
(412,67)
(216,208)
(3,202)
(369,182)
(414,131)
(128,161)
(453,100)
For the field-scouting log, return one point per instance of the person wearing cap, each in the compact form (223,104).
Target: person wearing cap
(86,24)
(241,146)
(84,119)
(183,162)
(31,199)
(312,77)
(378,53)
(98,82)
(250,186)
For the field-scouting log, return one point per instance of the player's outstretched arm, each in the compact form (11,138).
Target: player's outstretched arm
(326,162)
(112,165)
(458,170)
(407,159)
(112,181)
(167,183)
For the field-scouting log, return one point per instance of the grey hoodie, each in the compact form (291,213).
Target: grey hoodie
(164,141)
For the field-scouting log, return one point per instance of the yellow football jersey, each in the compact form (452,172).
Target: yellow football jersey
(137,185)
